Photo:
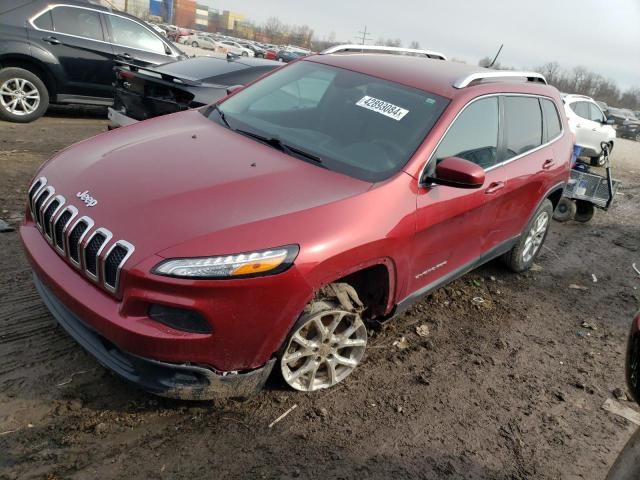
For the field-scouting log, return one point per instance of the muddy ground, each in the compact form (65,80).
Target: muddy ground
(508,389)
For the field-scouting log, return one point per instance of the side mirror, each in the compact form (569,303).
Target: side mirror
(459,173)
(609,121)
(233,89)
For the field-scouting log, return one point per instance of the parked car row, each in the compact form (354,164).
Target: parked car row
(67,53)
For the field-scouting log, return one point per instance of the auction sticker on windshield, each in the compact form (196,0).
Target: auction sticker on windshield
(384,108)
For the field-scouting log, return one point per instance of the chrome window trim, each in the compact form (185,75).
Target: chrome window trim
(504,162)
(90,224)
(74,213)
(45,203)
(32,20)
(130,249)
(31,200)
(108,236)
(62,201)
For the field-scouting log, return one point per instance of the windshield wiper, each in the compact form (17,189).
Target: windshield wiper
(279,145)
(222,116)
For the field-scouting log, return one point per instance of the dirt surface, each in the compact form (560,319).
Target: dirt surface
(510,388)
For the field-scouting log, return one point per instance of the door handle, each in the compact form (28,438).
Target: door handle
(125,56)
(52,40)
(579,126)
(594,129)
(494,187)
(548,164)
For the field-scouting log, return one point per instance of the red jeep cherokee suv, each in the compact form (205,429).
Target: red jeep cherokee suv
(194,253)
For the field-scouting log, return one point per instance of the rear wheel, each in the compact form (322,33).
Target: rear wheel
(23,96)
(324,347)
(565,210)
(194,44)
(584,211)
(522,256)
(637,137)
(245,54)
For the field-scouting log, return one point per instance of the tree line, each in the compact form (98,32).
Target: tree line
(582,81)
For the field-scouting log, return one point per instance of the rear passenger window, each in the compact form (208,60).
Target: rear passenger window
(473,135)
(77,21)
(523,125)
(551,119)
(581,109)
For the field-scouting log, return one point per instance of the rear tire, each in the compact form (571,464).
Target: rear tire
(565,210)
(524,253)
(584,211)
(194,44)
(23,96)
(245,54)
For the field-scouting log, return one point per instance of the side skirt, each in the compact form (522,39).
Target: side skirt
(454,275)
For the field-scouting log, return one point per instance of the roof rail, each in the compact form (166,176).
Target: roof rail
(380,49)
(530,76)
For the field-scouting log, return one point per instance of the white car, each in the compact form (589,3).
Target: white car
(236,49)
(200,41)
(590,126)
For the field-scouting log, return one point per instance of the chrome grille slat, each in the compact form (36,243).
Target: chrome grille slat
(91,251)
(61,226)
(34,191)
(76,235)
(41,202)
(97,241)
(113,261)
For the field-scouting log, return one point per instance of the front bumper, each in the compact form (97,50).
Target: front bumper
(182,381)
(119,119)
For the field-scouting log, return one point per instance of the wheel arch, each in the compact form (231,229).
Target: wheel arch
(32,65)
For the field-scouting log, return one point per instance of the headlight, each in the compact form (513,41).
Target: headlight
(252,264)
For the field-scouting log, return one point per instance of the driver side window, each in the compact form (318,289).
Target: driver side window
(473,135)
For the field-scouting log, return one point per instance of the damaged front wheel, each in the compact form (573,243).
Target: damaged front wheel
(325,346)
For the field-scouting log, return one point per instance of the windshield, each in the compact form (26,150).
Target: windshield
(348,122)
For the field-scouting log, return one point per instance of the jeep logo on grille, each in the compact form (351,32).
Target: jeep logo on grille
(87,199)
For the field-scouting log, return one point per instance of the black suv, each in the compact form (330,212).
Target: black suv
(64,52)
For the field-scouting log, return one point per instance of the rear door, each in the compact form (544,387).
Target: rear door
(135,43)
(586,129)
(528,164)
(599,125)
(76,37)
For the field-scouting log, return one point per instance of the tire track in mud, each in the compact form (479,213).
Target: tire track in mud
(30,335)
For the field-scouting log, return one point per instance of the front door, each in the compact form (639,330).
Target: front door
(75,36)
(451,222)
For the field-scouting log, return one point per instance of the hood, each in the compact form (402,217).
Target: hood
(171,179)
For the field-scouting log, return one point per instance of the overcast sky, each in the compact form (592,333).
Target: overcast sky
(603,35)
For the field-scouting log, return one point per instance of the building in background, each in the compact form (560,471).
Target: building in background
(202,17)
(230,20)
(162,9)
(184,13)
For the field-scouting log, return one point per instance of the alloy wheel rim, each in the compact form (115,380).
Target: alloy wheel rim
(324,350)
(535,236)
(19,96)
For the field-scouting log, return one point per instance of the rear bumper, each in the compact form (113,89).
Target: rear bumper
(119,119)
(182,381)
